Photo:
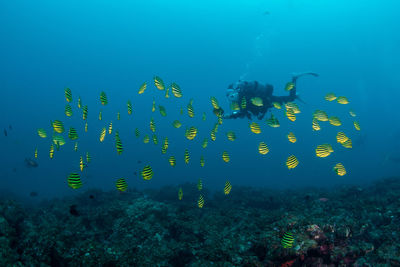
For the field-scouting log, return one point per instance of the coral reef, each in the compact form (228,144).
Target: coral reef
(345,226)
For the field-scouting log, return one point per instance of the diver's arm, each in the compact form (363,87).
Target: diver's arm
(230,116)
(235,115)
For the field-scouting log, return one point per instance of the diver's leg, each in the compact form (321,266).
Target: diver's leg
(295,76)
(298,75)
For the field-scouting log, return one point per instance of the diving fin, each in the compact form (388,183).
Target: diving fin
(301,100)
(297,75)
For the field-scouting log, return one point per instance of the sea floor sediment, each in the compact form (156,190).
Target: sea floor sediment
(341,226)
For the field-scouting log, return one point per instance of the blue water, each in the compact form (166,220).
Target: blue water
(203,46)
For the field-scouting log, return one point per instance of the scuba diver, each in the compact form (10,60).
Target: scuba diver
(253,98)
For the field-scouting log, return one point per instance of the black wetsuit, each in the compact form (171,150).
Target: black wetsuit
(249,90)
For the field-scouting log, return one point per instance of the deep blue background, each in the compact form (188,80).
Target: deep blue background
(46,46)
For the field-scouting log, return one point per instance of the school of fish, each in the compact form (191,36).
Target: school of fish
(191,132)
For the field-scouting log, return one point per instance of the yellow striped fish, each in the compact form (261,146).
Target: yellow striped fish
(225,156)
(158,82)
(121,185)
(293,106)
(291,137)
(142,88)
(227,188)
(190,110)
(348,143)
(51,152)
(84,112)
(255,128)
(289,86)
(187,156)
(200,202)
(202,161)
(273,121)
(204,143)
(58,140)
(339,169)
(199,185)
(88,157)
(357,125)
(129,106)
(341,137)
(68,95)
(180,193)
(166,142)
(219,120)
(147,173)
(342,100)
(72,134)
(315,125)
(292,162)
(277,105)
(177,124)
(213,135)
(320,115)
(74,181)
(330,97)
(335,121)
(167,93)
(257,101)
(68,110)
(152,125)
(172,161)
(103,98)
(146,139)
(263,148)
(81,164)
(176,90)
(215,129)
(155,139)
(243,103)
(118,144)
(290,114)
(214,103)
(231,136)
(102,134)
(58,126)
(191,133)
(323,151)
(235,106)
(42,132)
